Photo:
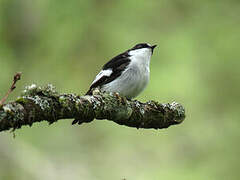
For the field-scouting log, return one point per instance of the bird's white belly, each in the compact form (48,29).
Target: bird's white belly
(130,83)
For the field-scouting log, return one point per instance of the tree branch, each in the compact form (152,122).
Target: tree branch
(16,78)
(38,104)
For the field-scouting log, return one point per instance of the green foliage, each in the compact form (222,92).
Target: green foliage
(66,43)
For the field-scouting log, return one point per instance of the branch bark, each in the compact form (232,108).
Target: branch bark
(44,103)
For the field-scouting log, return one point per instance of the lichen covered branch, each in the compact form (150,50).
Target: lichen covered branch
(44,103)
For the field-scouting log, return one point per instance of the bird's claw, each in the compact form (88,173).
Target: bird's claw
(122,100)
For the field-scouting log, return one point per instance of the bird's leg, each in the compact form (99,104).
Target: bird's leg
(121,99)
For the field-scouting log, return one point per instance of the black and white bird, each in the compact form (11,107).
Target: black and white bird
(127,73)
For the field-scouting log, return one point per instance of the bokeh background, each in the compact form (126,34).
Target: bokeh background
(66,43)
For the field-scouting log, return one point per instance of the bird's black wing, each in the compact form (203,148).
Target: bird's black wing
(110,71)
(116,61)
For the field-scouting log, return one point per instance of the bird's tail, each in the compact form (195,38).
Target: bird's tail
(89,92)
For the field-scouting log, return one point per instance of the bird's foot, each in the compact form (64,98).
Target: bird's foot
(121,99)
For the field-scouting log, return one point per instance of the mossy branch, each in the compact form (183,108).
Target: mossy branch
(38,104)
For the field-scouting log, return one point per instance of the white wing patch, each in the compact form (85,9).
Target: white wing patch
(102,73)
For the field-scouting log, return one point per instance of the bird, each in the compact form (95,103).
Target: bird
(127,73)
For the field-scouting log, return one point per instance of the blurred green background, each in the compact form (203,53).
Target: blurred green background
(66,43)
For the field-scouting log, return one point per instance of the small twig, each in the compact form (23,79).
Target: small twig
(16,77)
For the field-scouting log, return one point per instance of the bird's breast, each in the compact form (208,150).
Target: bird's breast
(136,79)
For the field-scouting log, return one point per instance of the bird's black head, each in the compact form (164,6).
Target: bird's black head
(143,45)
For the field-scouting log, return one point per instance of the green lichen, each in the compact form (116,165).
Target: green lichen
(3,114)
(62,100)
(40,96)
(18,113)
(49,90)
(21,100)
(33,89)
(66,99)
(7,108)
(179,112)
(41,102)
(13,115)
(123,113)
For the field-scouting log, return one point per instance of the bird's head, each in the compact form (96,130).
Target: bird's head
(142,49)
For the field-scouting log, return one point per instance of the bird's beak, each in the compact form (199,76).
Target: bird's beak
(152,47)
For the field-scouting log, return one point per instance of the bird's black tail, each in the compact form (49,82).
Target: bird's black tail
(89,92)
